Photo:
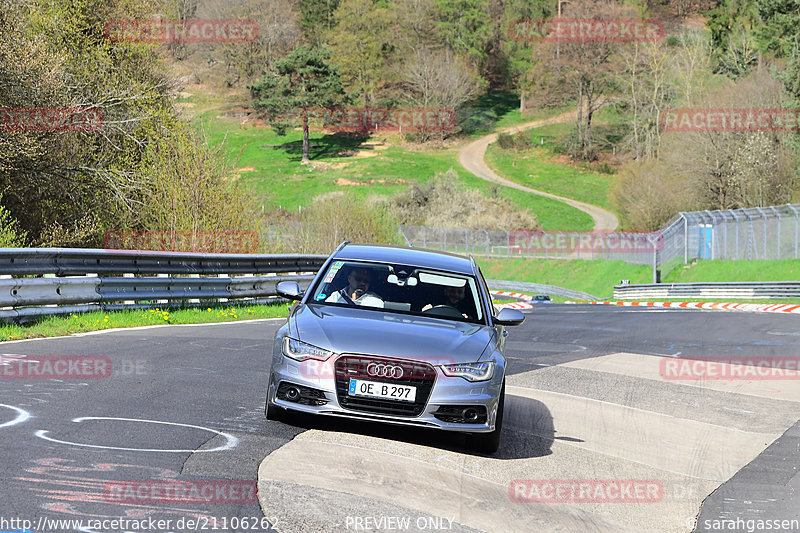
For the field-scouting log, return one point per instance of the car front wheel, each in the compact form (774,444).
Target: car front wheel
(273,412)
(490,442)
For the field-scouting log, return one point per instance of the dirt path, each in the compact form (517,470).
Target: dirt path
(472,155)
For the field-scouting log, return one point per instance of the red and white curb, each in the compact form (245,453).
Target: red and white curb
(524,304)
(720,306)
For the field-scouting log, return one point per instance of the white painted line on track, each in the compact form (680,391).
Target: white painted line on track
(138,328)
(231,441)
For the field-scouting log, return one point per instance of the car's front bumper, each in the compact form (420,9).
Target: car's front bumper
(446,391)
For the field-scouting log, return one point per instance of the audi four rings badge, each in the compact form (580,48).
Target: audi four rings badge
(384,371)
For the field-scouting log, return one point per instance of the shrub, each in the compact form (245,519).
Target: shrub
(444,201)
(335,217)
(11,236)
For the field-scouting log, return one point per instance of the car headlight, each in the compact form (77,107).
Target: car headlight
(470,371)
(300,351)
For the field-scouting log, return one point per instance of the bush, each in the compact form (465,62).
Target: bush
(505,141)
(10,234)
(336,217)
(647,195)
(519,142)
(444,201)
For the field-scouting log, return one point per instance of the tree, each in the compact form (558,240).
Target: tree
(730,22)
(67,187)
(516,56)
(465,27)
(583,71)
(729,169)
(415,26)
(299,83)
(278,34)
(437,79)
(316,18)
(360,45)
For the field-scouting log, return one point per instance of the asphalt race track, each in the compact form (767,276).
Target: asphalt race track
(588,402)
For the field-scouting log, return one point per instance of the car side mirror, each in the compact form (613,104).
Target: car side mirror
(289,290)
(509,317)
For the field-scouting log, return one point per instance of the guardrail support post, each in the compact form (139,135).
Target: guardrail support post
(778,240)
(162,276)
(795,229)
(685,239)
(128,275)
(764,215)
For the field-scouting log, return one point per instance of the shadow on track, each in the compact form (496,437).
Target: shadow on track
(528,430)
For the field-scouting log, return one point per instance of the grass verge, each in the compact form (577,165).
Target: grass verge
(57,326)
(594,277)
(721,270)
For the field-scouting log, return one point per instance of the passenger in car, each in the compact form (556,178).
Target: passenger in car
(357,290)
(455,297)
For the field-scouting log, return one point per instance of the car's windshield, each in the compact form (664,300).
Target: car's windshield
(399,288)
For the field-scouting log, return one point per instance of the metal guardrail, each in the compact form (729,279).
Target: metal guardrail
(755,290)
(80,280)
(539,289)
(80,261)
(126,279)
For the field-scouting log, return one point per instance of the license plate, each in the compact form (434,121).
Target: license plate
(386,391)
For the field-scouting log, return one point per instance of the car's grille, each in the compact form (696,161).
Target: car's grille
(417,374)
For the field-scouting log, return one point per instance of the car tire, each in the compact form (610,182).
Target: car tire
(273,412)
(490,442)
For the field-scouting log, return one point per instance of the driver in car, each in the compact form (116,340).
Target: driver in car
(357,290)
(454,297)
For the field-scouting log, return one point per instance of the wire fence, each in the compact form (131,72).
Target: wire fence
(758,233)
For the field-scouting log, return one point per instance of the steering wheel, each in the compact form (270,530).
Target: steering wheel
(444,310)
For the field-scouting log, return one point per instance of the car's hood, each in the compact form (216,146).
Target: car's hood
(359,331)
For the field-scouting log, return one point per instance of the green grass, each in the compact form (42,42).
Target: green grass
(594,277)
(720,270)
(57,326)
(498,110)
(535,168)
(279,180)
(599,277)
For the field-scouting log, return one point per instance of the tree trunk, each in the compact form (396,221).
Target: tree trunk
(305,138)
(579,120)
(587,140)
(522,101)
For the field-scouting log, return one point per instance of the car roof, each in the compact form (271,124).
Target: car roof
(416,257)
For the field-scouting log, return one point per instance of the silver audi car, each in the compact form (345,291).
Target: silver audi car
(396,335)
